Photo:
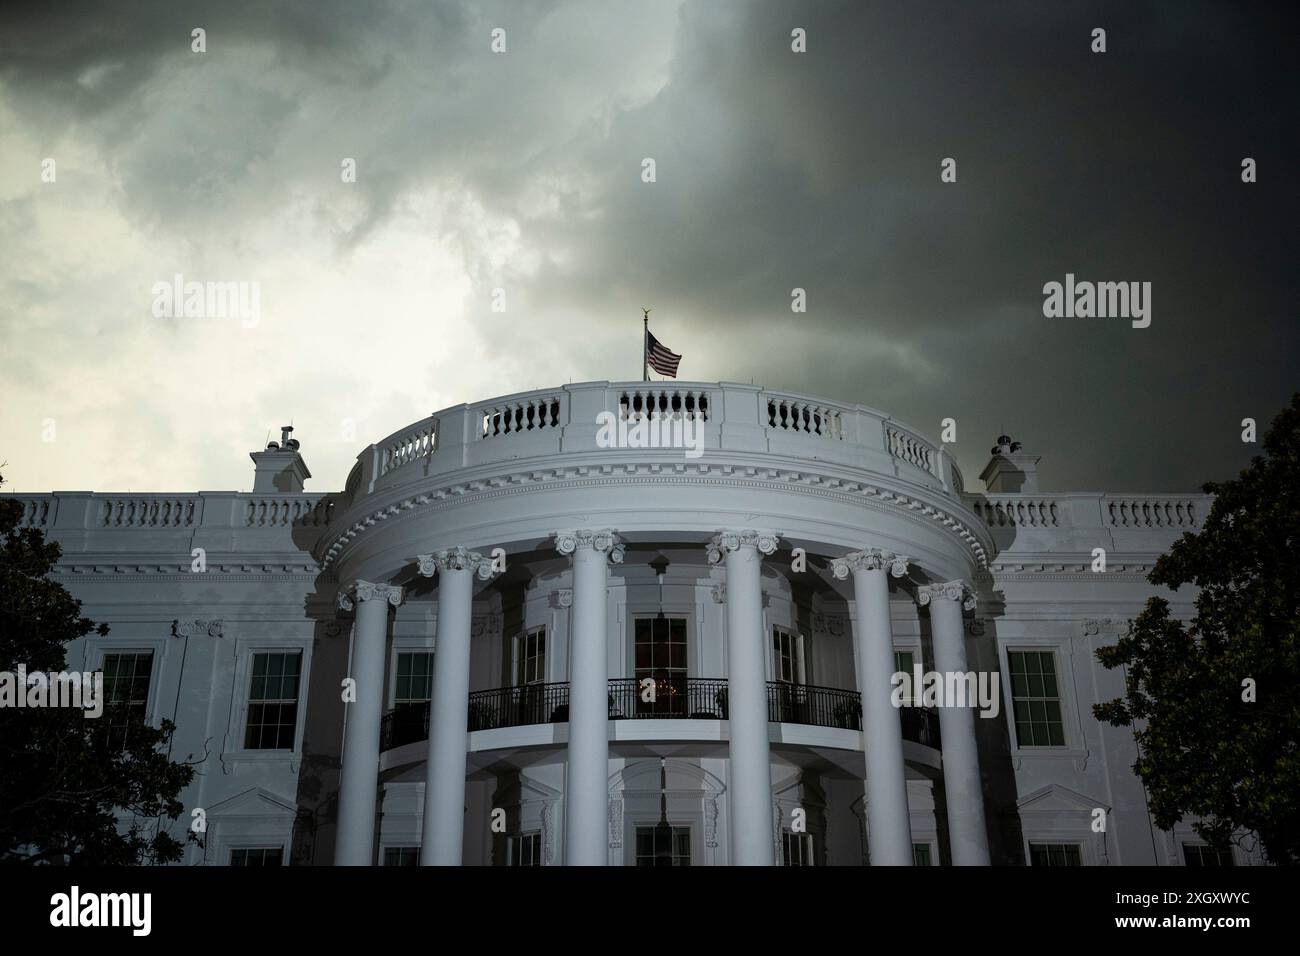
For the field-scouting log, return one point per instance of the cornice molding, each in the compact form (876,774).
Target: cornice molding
(156,570)
(966,528)
(1016,567)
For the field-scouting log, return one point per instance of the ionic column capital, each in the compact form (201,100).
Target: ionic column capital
(725,542)
(362,591)
(604,540)
(870,559)
(454,559)
(947,591)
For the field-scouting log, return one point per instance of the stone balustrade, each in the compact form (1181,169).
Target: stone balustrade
(735,418)
(1135,512)
(91,511)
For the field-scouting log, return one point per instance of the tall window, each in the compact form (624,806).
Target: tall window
(530,675)
(257,856)
(661,655)
(796,848)
(273,701)
(921,854)
(787,650)
(1198,854)
(1035,699)
(412,692)
(904,661)
(663,846)
(126,693)
(530,657)
(1054,854)
(524,849)
(401,856)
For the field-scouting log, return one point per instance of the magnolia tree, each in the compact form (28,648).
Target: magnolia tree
(1214,701)
(74,788)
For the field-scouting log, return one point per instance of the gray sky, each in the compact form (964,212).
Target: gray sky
(522,171)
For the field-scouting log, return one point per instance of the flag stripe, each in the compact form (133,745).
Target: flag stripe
(661,359)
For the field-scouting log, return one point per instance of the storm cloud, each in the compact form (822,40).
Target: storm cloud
(521,171)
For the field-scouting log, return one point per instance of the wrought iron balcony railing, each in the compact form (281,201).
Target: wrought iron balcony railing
(696,698)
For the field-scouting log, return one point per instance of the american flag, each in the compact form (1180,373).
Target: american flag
(659,358)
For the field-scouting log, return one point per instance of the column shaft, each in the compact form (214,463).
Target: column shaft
(963,787)
(751,773)
(444,779)
(586,794)
(359,774)
(890,830)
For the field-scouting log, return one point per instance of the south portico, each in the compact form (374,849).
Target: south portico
(739,554)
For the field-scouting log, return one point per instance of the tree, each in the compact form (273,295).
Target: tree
(73,789)
(1214,700)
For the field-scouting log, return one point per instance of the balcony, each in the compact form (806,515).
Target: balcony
(694,698)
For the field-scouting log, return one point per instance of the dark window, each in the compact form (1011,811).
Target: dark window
(256,856)
(532,657)
(903,663)
(401,856)
(663,846)
(1198,854)
(921,854)
(1035,699)
(796,848)
(126,693)
(524,849)
(411,695)
(661,655)
(787,649)
(273,701)
(1054,854)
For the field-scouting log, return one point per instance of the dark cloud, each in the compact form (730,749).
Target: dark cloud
(775,170)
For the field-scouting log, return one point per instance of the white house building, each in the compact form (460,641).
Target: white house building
(568,635)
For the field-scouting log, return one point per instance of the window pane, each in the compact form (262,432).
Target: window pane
(412,680)
(126,693)
(1055,854)
(661,655)
(273,701)
(1035,704)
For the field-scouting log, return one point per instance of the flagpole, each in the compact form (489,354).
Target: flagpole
(645,349)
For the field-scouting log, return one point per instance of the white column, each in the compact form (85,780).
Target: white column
(443,826)
(752,835)
(586,792)
(962,785)
(359,775)
(889,827)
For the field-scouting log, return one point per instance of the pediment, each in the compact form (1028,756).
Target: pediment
(1057,799)
(256,802)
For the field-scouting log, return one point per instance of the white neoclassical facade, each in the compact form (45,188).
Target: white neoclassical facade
(635,624)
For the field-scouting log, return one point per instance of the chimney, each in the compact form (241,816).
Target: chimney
(1010,471)
(279,467)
